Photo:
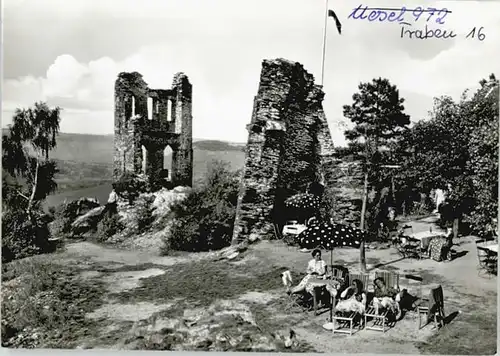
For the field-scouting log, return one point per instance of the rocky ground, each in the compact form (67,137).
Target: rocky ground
(121,299)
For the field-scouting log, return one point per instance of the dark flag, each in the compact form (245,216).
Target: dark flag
(337,22)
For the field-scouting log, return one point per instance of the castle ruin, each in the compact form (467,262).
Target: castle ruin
(149,120)
(289,147)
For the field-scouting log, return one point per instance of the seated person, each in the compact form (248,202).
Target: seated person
(315,268)
(353,299)
(386,297)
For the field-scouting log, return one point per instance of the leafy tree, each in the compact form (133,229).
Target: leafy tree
(377,112)
(481,184)
(458,146)
(28,177)
(25,153)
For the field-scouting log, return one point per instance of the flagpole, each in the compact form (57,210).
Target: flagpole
(324,43)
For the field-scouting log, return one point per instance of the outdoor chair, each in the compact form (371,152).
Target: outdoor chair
(432,307)
(409,247)
(347,319)
(341,274)
(382,319)
(413,297)
(294,300)
(391,279)
(488,260)
(363,277)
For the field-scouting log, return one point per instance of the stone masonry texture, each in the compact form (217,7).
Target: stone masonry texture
(134,129)
(289,147)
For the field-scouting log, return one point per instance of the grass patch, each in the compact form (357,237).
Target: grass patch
(129,268)
(202,282)
(44,305)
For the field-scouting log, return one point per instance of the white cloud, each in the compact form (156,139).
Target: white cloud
(64,77)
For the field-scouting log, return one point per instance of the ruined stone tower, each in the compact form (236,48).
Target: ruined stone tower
(149,120)
(289,146)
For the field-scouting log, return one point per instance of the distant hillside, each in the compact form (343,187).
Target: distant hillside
(217,146)
(99,148)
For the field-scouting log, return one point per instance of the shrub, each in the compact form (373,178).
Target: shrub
(161,181)
(130,186)
(23,237)
(66,213)
(205,219)
(109,226)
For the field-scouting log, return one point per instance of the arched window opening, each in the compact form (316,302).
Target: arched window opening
(150,108)
(170,114)
(167,162)
(144,159)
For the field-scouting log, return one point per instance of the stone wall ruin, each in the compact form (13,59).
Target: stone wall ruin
(289,146)
(147,121)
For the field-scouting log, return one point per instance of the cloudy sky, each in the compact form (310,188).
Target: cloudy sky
(68,53)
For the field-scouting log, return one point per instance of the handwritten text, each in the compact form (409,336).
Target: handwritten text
(426,33)
(478,33)
(398,15)
(439,33)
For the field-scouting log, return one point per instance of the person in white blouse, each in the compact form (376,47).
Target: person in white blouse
(315,268)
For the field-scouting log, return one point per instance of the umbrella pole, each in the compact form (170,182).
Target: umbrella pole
(332,300)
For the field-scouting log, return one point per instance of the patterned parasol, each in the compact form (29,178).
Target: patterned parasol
(303,201)
(302,206)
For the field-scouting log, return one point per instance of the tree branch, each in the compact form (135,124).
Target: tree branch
(22,195)
(33,189)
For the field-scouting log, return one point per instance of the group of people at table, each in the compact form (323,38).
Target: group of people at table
(354,297)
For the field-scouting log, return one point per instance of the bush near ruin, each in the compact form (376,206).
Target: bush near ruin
(205,219)
(23,237)
(109,226)
(130,185)
(65,214)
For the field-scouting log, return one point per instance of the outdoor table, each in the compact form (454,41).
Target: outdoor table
(331,285)
(293,229)
(425,237)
